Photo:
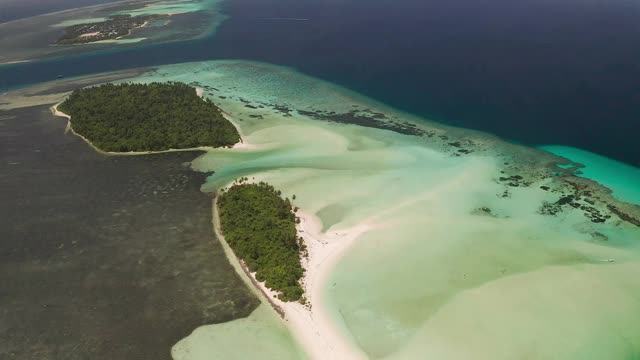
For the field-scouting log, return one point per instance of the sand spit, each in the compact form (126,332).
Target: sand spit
(310,324)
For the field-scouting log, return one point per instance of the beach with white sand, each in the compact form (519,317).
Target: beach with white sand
(309,323)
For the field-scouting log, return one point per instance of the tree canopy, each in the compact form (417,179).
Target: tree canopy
(260,227)
(147,117)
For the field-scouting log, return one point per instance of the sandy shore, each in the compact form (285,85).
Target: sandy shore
(313,325)
(310,324)
(56,112)
(242,144)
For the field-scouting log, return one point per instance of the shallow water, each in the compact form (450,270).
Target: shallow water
(622,179)
(72,22)
(259,336)
(168,7)
(457,265)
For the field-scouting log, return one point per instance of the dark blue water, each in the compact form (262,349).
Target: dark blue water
(534,71)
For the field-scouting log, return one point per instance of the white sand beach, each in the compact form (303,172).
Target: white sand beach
(310,324)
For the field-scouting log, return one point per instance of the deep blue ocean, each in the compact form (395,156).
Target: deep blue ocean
(533,71)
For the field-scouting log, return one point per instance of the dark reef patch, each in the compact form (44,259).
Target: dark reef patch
(574,200)
(623,216)
(366,118)
(514,181)
(103,257)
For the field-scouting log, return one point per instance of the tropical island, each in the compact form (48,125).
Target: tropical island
(114,27)
(147,117)
(260,227)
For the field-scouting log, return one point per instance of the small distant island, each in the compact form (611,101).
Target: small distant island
(147,117)
(260,227)
(114,27)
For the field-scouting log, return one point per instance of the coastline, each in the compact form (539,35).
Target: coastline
(311,324)
(239,265)
(199,92)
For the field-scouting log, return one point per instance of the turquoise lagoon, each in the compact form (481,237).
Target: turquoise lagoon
(451,268)
(622,179)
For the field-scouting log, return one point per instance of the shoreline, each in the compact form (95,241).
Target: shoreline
(239,145)
(238,264)
(312,324)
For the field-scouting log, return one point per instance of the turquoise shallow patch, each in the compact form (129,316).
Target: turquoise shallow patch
(622,179)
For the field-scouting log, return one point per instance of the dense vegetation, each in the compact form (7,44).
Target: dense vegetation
(147,117)
(260,227)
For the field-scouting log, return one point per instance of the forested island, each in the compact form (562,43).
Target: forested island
(147,117)
(113,27)
(260,227)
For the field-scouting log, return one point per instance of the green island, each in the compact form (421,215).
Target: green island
(147,117)
(113,27)
(260,226)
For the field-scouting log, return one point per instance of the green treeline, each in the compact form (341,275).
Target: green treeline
(260,227)
(147,117)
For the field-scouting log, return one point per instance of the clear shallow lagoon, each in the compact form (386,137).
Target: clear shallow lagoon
(622,179)
(437,275)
